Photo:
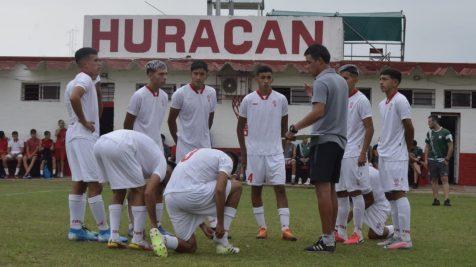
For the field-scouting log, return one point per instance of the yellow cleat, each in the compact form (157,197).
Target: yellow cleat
(116,245)
(158,244)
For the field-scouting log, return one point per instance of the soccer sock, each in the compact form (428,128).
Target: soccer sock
(259,216)
(115,211)
(391,230)
(359,208)
(328,240)
(41,172)
(159,209)
(171,242)
(96,204)
(139,214)
(212,221)
(284,218)
(75,221)
(343,204)
(228,217)
(404,218)
(6,171)
(293,178)
(394,209)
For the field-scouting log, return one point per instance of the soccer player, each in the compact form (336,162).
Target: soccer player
(199,187)
(266,113)
(328,118)
(125,158)
(354,172)
(146,113)
(32,147)
(438,152)
(83,104)
(194,105)
(396,140)
(15,148)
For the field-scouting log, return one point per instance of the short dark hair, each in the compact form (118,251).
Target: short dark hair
(317,51)
(415,143)
(434,118)
(234,158)
(14,133)
(46,133)
(393,73)
(199,64)
(32,131)
(2,133)
(263,69)
(83,53)
(350,68)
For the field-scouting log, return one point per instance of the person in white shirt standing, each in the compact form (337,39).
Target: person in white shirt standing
(396,140)
(194,104)
(354,172)
(146,113)
(84,108)
(266,113)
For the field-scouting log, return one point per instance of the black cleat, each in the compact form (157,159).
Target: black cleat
(319,246)
(436,202)
(447,203)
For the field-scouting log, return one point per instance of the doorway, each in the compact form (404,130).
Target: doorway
(107,118)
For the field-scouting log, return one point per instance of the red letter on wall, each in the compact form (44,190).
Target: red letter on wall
(265,42)
(299,30)
(176,38)
(229,45)
(210,41)
(112,35)
(129,44)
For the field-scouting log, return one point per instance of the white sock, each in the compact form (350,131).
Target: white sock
(96,204)
(228,217)
(159,209)
(212,221)
(359,208)
(293,178)
(6,171)
(284,218)
(391,230)
(139,214)
(75,220)
(171,242)
(329,240)
(115,211)
(17,170)
(41,172)
(404,218)
(394,209)
(343,204)
(259,216)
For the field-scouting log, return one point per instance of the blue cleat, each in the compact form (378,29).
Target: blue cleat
(81,235)
(104,236)
(163,231)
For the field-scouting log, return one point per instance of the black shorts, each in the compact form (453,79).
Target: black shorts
(437,170)
(46,155)
(324,163)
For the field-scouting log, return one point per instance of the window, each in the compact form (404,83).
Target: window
(367,92)
(419,97)
(40,92)
(286,91)
(107,91)
(299,96)
(168,88)
(460,99)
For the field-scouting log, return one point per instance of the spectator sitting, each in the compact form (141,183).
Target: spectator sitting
(60,147)
(32,147)
(3,152)
(46,151)
(290,158)
(416,162)
(302,155)
(15,148)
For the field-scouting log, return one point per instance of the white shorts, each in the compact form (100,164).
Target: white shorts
(118,164)
(81,160)
(393,175)
(187,210)
(376,216)
(14,156)
(352,177)
(268,169)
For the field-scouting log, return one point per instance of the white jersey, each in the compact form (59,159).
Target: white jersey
(148,153)
(375,184)
(89,104)
(359,109)
(264,115)
(16,147)
(197,169)
(149,108)
(392,145)
(195,108)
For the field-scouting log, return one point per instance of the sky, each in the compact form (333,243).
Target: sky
(437,30)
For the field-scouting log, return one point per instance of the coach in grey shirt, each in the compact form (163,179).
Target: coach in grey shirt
(329,125)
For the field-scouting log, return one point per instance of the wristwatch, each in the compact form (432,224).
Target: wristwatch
(293,129)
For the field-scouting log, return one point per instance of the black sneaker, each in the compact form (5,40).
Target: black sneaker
(436,202)
(447,203)
(319,246)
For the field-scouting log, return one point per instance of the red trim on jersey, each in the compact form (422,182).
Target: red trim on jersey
(354,91)
(264,97)
(196,90)
(390,98)
(155,94)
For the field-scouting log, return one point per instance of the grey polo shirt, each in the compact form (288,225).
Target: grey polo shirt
(331,89)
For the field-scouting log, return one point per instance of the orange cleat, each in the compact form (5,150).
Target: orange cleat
(354,239)
(288,235)
(262,233)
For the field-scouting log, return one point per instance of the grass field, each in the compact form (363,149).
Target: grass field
(34,223)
